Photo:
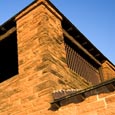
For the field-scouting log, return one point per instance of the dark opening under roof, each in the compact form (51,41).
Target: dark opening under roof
(69,27)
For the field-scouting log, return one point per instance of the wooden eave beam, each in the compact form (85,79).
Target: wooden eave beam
(84,43)
(69,29)
(97,55)
(90,50)
(81,47)
(2,28)
(8,33)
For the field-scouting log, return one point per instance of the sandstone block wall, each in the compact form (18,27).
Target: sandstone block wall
(98,104)
(108,70)
(42,63)
(43,69)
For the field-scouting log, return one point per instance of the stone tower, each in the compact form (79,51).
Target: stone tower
(39,64)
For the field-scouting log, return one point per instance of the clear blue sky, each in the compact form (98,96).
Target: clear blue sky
(94,18)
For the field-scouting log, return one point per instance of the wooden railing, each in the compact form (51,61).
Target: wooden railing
(80,65)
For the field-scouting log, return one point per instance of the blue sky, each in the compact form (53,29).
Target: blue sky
(94,18)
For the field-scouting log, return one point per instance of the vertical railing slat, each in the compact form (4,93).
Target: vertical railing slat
(79,65)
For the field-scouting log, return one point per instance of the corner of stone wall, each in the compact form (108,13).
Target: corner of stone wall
(108,70)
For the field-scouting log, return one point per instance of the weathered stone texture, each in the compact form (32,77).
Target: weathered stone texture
(42,63)
(108,70)
(95,104)
(43,68)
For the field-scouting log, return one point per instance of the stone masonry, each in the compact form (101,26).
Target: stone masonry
(43,69)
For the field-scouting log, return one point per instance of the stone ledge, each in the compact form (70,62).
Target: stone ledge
(80,95)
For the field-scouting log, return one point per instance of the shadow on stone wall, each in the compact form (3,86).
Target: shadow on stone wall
(79,96)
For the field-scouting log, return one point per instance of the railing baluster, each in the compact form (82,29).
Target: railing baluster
(79,65)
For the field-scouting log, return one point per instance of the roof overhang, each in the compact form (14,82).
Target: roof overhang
(7,28)
(10,26)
